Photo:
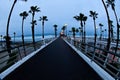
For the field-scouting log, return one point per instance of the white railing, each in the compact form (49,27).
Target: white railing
(107,60)
(18,52)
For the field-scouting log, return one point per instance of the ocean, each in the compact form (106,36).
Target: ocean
(28,38)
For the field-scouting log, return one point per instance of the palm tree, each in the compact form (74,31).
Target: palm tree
(93,14)
(109,27)
(43,19)
(7,30)
(33,9)
(73,31)
(23,15)
(112,4)
(55,28)
(101,25)
(80,18)
(84,20)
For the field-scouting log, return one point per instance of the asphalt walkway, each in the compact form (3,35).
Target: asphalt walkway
(57,61)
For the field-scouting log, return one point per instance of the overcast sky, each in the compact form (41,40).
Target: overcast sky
(59,12)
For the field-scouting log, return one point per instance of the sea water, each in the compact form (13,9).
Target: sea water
(28,38)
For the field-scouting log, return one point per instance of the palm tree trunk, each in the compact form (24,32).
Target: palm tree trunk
(84,34)
(100,33)
(33,36)
(109,27)
(23,37)
(43,29)
(95,35)
(81,30)
(117,31)
(55,33)
(7,31)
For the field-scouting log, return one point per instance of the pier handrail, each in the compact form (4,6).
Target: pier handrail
(17,53)
(107,60)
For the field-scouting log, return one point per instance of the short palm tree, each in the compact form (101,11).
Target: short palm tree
(55,28)
(84,20)
(101,25)
(43,19)
(80,18)
(73,31)
(93,14)
(112,4)
(7,30)
(33,9)
(23,15)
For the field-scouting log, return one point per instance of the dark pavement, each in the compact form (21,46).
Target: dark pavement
(55,62)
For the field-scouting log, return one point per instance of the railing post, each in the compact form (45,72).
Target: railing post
(19,53)
(93,54)
(106,60)
(118,74)
(85,48)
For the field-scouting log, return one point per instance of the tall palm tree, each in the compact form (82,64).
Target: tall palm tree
(33,9)
(109,32)
(101,25)
(112,4)
(43,19)
(84,20)
(23,15)
(109,27)
(7,30)
(55,28)
(80,18)
(93,14)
